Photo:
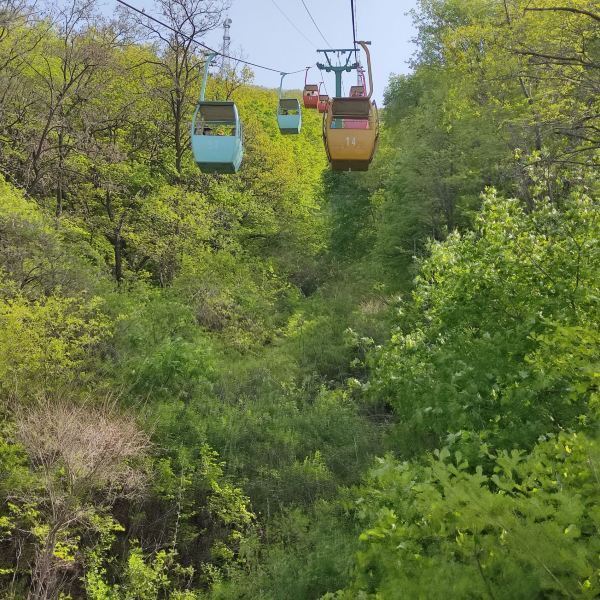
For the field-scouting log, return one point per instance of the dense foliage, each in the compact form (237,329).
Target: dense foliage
(291,383)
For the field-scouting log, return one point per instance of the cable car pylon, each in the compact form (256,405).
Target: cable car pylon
(340,69)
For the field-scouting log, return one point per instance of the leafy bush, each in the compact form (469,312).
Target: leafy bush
(526,528)
(492,310)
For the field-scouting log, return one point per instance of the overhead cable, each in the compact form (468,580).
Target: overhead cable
(200,44)
(293,24)
(353,10)
(315,24)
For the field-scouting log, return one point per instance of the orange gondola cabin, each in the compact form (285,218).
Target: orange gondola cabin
(351,128)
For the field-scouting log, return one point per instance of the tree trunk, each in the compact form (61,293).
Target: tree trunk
(44,575)
(59,173)
(178,144)
(118,249)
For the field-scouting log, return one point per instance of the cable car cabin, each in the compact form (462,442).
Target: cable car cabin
(217,137)
(217,133)
(289,116)
(310,95)
(351,131)
(323,103)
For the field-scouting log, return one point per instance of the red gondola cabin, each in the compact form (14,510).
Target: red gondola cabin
(323,103)
(311,95)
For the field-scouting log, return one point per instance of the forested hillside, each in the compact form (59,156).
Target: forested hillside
(291,383)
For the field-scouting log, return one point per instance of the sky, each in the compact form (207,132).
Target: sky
(263,35)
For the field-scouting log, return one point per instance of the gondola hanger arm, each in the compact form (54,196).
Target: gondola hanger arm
(365,47)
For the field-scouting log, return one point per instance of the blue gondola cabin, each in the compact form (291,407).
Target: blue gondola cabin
(217,142)
(289,116)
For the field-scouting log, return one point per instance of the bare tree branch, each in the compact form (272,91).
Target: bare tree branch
(578,11)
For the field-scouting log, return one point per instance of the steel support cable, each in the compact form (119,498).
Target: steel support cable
(293,24)
(324,84)
(204,46)
(353,10)
(315,24)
